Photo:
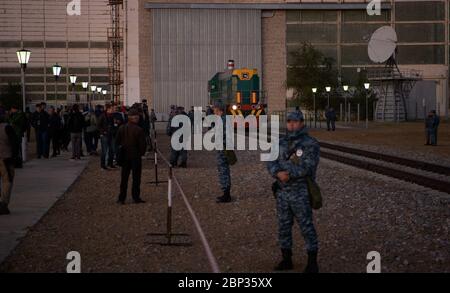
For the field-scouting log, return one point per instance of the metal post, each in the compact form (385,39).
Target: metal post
(156,167)
(24,140)
(367,111)
(345,113)
(315,114)
(88,100)
(349,114)
(169,207)
(340,112)
(357,121)
(328,96)
(56,92)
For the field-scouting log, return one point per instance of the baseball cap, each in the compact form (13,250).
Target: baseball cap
(295,116)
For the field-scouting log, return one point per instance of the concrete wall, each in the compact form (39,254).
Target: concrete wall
(274,58)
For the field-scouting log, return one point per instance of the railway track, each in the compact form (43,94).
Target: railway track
(407,176)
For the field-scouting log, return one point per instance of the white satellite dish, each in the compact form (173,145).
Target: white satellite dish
(382,44)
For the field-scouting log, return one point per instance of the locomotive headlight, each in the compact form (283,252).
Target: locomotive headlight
(234,107)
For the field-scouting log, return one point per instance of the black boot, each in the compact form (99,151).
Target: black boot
(226,197)
(312,266)
(286,263)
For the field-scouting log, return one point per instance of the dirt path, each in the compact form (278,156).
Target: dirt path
(407,224)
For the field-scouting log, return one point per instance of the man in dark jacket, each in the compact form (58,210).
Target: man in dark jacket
(40,121)
(182,154)
(330,114)
(431,125)
(107,130)
(75,127)
(9,145)
(131,142)
(54,131)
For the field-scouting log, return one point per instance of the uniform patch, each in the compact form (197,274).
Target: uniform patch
(299,153)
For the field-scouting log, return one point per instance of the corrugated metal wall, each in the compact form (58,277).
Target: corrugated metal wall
(191,45)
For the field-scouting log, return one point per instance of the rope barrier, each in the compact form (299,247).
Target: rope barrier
(211,259)
(206,246)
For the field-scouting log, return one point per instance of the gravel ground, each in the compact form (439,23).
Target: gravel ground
(402,140)
(391,165)
(398,152)
(363,211)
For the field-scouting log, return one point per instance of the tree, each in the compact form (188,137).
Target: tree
(310,69)
(10,95)
(358,95)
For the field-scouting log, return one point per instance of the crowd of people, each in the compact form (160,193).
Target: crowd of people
(59,128)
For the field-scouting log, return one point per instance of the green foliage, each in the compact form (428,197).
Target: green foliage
(358,95)
(10,95)
(310,69)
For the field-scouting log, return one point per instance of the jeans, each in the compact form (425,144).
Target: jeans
(174,155)
(133,166)
(107,151)
(76,145)
(42,143)
(55,140)
(431,136)
(331,123)
(89,142)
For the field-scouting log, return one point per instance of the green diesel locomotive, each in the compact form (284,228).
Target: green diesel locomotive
(238,91)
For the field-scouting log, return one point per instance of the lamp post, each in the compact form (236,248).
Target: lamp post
(73,81)
(366,87)
(56,74)
(345,87)
(24,57)
(314,90)
(328,90)
(99,91)
(85,86)
(93,90)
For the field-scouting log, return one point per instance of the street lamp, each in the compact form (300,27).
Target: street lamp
(345,87)
(99,91)
(328,90)
(73,81)
(314,90)
(56,74)
(367,86)
(24,57)
(85,86)
(93,90)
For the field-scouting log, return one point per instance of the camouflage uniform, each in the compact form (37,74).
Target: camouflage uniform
(299,156)
(222,164)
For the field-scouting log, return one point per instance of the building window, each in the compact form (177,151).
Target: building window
(421,54)
(419,11)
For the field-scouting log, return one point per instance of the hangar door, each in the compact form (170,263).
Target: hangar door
(191,45)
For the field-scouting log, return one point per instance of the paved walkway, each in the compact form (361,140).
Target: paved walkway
(36,188)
